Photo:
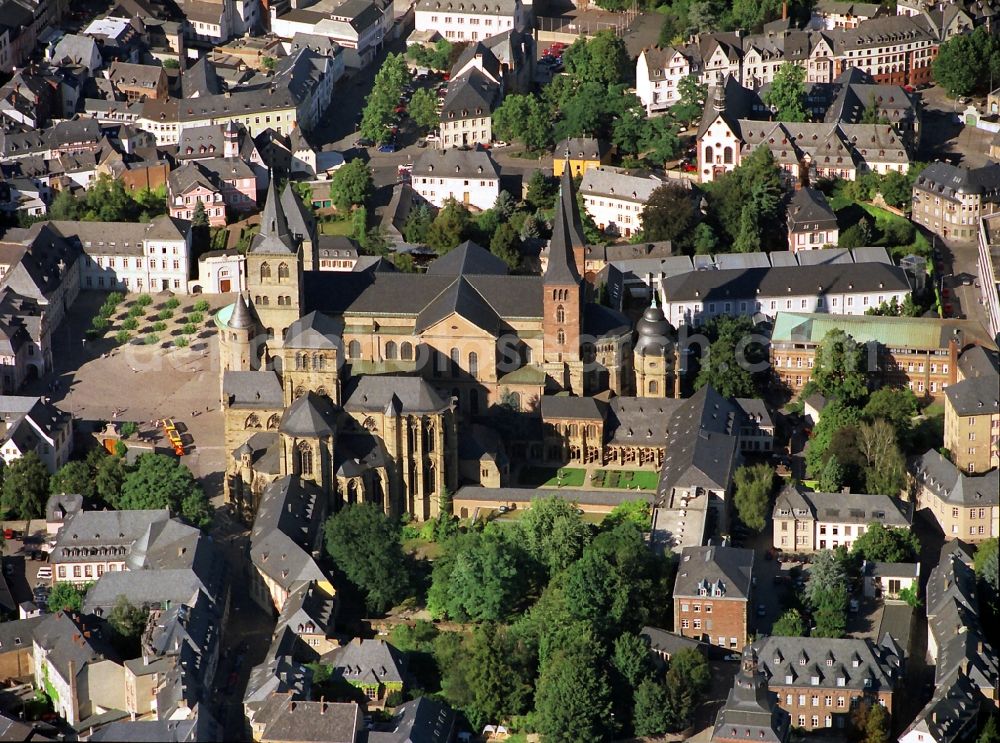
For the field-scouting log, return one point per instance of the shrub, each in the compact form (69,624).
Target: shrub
(136,311)
(182,342)
(128,428)
(114,298)
(196,317)
(144,300)
(107,310)
(189,328)
(159,327)
(151,339)
(122,337)
(130,323)
(100,323)
(165,314)
(172,304)
(201,305)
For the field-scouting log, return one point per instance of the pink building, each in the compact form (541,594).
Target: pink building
(225,185)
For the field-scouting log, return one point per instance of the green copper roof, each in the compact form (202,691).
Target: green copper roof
(908,332)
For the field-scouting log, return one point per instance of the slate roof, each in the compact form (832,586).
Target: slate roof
(804,657)
(456,163)
(260,389)
(750,710)
(702,444)
(488,60)
(471,94)
(278,673)
(583,148)
(407,395)
(314,722)
(948,181)
(274,238)
(103,530)
(309,416)
(284,531)
(951,713)
(809,210)
(638,421)
(313,331)
(848,508)
(975,396)
(460,298)
(422,720)
(478,7)
(728,569)
(468,258)
(567,235)
(617,183)
(663,641)
(308,606)
(577,408)
(367,662)
(16,634)
(199,728)
(71,642)
(940,476)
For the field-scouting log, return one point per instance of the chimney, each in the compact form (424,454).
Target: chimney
(784,10)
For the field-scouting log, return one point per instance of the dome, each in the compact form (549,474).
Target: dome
(654,332)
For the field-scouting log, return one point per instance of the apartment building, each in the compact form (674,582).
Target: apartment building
(615,198)
(694,297)
(471,21)
(138,81)
(812,224)
(918,353)
(895,49)
(966,507)
(833,14)
(584,153)
(950,200)
(805,521)
(658,73)
(470,177)
(467,110)
(359,27)
(712,595)
(989,270)
(972,423)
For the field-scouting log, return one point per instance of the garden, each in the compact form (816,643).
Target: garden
(552,477)
(625,479)
(142,320)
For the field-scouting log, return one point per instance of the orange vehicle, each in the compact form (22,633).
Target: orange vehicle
(173,436)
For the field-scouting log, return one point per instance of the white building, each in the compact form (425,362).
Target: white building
(989,270)
(694,297)
(358,26)
(31,424)
(470,177)
(472,20)
(134,257)
(615,199)
(220,272)
(658,73)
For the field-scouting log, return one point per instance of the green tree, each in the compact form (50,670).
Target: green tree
(634,511)
(691,102)
(351,185)
(553,533)
(73,477)
(897,406)
(725,367)
(882,544)
(379,111)
(199,218)
(417,224)
(832,476)
(126,619)
(692,668)
(573,697)
(109,474)
(449,227)
(789,624)
(688,677)
(64,206)
(504,245)
(787,94)
(603,59)
(365,544)
(705,242)
(25,488)
(66,597)
(542,191)
(423,109)
(989,732)
(500,675)
(877,725)
(159,481)
(886,471)
(830,614)
(525,119)
(630,658)
(826,593)
(896,189)
(752,498)
(835,435)
(668,214)
(652,714)
(839,368)
(661,142)
(986,561)
(966,63)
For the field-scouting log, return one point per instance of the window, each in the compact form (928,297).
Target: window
(390,350)
(406,351)
(305,457)
(265,271)
(354,350)
(560,314)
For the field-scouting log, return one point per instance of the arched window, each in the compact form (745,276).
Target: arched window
(272,422)
(727,156)
(560,314)
(573,430)
(514,400)
(269,331)
(305,455)
(406,351)
(299,392)
(561,338)
(300,361)
(282,271)
(390,350)
(354,350)
(708,154)
(265,270)
(252,421)
(317,361)
(473,363)
(265,300)
(456,360)
(654,388)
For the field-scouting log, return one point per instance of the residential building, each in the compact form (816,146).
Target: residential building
(949,717)
(887,580)
(309,613)
(457,21)
(658,73)
(921,354)
(894,49)
(712,595)
(615,199)
(223,185)
(663,644)
(841,290)
(470,177)
(972,423)
(965,507)
(317,722)
(138,82)
(467,110)
(820,681)
(805,521)
(358,27)
(989,270)
(34,424)
(950,200)
(584,153)
(73,659)
(430,720)
(373,666)
(16,647)
(832,14)
(750,712)
(812,224)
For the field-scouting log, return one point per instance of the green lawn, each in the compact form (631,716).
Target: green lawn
(850,211)
(626,479)
(550,477)
(336,227)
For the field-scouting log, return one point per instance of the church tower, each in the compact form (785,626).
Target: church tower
(654,357)
(238,338)
(751,711)
(274,270)
(562,288)
(230,140)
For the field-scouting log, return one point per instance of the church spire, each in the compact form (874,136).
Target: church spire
(274,237)
(566,248)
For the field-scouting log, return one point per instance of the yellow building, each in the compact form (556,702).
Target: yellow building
(972,423)
(965,507)
(580,153)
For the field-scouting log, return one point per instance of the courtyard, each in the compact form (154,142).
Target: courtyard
(587,478)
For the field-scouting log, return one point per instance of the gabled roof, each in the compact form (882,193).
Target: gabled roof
(313,331)
(702,444)
(363,661)
(423,720)
(468,258)
(274,238)
(471,94)
(413,395)
(808,209)
(727,570)
(488,60)
(252,389)
(460,298)
(310,415)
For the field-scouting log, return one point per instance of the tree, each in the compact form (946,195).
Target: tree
(573,698)
(705,242)
(881,544)
(542,191)
(896,406)
(66,597)
(789,624)
(109,474)
(73,477)
(691,103)
(839,368)
(886,471)
(500,675)
(989,732)
(64,206)
(896,189)
(652,715)
(966,63)
(634,511)
(365,544)
(379,110)
(126,619)
(603,60)
(630,658)
(688,677)
(553,533)
(827,573)
(199,218)
(749,195)
(159,481)
(25,488)
(525,119)
(787,94)
(752,498)
(986,561)
(830,614)
(449,227)
(831,478)
(418,222)
(668,214)
(661,142)
(877,725)
(504,245)
(351,184)
(725,367)
(423,109)
(835,435)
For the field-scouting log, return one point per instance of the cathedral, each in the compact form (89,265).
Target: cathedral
(369,383)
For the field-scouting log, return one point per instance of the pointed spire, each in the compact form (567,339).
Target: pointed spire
(567,235)
(274,237)
(719,99)
(242,316)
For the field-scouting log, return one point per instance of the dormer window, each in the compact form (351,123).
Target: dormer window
(814,680)
(788,678)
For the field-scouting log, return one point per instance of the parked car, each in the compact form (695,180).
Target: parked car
(388,147)
(500,143)
(44,572)
(736,657)
(433,137)
(364,142)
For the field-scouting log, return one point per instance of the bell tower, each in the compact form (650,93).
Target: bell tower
(654,356)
